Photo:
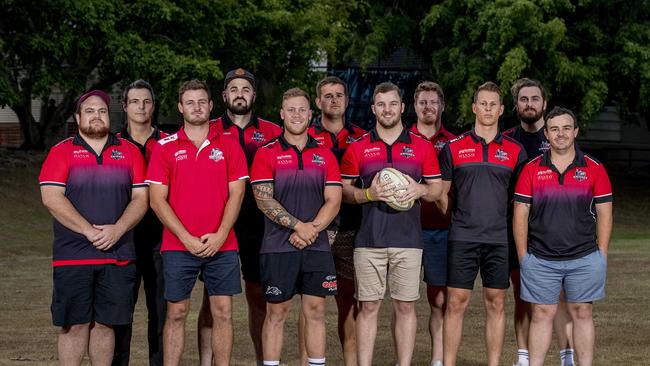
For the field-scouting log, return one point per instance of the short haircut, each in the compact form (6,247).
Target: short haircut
(138,84)
(193,84)
(490,87)
(559,111)
(295,92)
(331,80)
(526,83)
(429,86)
(386,87)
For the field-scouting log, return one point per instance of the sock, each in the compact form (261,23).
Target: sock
(522,357)
(271,363)
(566,357)
(316,361)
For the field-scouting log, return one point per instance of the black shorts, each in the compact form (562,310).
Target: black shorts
(464,259)
(307,272)
(250,242)
(86,293)
(513,258)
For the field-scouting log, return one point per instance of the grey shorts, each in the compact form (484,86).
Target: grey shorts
(583,279)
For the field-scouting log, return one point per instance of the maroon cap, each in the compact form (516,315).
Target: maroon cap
(97,93)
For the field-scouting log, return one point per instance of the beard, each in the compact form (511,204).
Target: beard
(388,123)
(94,132)
(196,120)
(239,109)
(530,118)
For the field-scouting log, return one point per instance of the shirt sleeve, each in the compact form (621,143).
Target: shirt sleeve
(602,187)
(138,167)
(446,163)
(431,166)
(262,171)
(333,174)
(524,187)
(350,163)
(55,168)
(159,169)
(236,162)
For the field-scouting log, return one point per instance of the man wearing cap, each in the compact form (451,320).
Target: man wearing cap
(562,225)
(242,126)
(138,103)
(197,186)
(93,185)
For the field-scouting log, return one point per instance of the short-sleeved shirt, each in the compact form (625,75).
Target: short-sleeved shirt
(382,226)
(198,181)
(535,143)
(349,217)
(431,217)
(149,230)
(562,218)
(99,187)
(299,179)
(481,174)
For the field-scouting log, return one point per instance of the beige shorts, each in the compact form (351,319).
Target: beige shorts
(402,265)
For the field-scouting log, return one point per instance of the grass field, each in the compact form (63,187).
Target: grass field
(27,336)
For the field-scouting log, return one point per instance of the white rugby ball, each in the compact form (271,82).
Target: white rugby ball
(399,181)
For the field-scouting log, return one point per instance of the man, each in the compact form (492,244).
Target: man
(297,186)
(479,164)
(429,103)
(385,241)
(332,131)
(529,98)
(93,185)
(138,103)
(562,226)
(250,132)
(197,184)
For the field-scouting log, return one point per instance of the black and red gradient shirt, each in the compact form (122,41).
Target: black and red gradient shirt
(562,218)
(299,179)
(481,174)
(149,230)
(382,226)
(349,217)
(431,217)
(99,187)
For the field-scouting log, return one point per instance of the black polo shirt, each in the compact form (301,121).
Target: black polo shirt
(535,143)
(481,175)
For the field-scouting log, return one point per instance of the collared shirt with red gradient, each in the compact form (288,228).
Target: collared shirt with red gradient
(257,133)
(411,154)
(99,187)
(198,182)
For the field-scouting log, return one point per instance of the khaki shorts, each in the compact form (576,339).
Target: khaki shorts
(402,266)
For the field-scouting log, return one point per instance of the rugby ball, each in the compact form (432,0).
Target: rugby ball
(399,181)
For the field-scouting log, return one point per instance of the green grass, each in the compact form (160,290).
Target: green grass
(28,337)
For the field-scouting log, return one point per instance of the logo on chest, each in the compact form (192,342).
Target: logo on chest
(350,139)
(544,174)
(180,155)
(284,159)
(407,152)
(467,153)
(501,155)
(545,146)
(580,175)
(258,136)
(117,155)
(81,154)
(371,152)
(439,145)
(318,160)
(216,155)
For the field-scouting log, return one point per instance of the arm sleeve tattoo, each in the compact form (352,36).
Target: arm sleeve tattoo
(270,207)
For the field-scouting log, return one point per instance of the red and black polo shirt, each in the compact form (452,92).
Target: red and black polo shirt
(257,133)
(99,187)
(431,217)
(149,230)
(349,217)
(382,226)
(198,182)
(535,143)
(299,179)
(562,219)
(481,175)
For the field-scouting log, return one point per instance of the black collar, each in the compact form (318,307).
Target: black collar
(311,143)
(112,140)
(578,159)
(227,122)
(498,138)
(404,137)
(318,126)
(127,136)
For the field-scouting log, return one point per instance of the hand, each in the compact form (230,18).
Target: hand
(92,234)
(306,231)
(193,244)
(413,191)
(381,191)
(297,243)
(212,242)
(108,236)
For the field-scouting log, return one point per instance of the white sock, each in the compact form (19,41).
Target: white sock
(522,357)
(271,363)
(316,361)
(566,357)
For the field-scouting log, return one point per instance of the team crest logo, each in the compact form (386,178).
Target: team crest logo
(545,146)
(407,152)
(580,176)
(439,145)
(258,136)
(318,160)
(117,155)
(272,290)
(501,155)
(350,139)
(216,154)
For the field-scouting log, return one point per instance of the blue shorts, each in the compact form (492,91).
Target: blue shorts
(220,274)
(582,279)
(434,256)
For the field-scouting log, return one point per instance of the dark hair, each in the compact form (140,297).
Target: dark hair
(559,111)
(330,80)
(295,92)
(386,87)
(193,84)
(491,87)
(429,86)
(526,83)
(138,84)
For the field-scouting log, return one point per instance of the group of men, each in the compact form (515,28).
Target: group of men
(304,211)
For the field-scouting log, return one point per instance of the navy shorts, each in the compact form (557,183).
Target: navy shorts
(464,259)
(307,272)
(101,292)
(583,279)
(434,256)
(220,274)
